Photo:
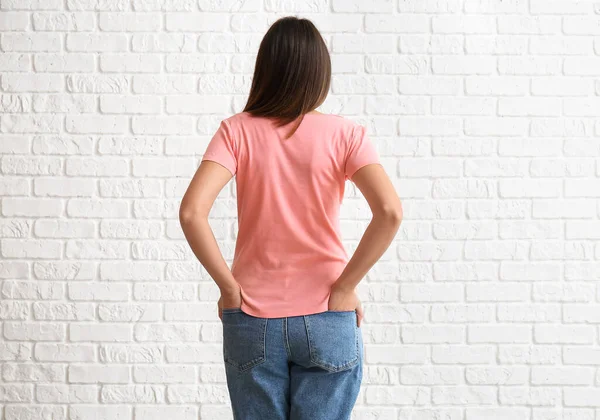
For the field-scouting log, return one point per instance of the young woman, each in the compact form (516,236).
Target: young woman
(292,342)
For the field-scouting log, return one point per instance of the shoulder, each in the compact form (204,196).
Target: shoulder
(338,123)
(239,122)
(239,118)
(333,123)
(345,127)
(231,125)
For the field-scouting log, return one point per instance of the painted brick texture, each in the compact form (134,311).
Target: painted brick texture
(485,114)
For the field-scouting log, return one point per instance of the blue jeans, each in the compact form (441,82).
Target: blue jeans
(295,368)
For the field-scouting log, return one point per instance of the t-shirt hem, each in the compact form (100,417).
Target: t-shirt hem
(228,167)
(283,313)
(362,165)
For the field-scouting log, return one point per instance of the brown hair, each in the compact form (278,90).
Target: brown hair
(292,74)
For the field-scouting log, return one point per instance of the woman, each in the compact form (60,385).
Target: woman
(292,343)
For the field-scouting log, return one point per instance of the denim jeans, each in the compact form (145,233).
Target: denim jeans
(306,367)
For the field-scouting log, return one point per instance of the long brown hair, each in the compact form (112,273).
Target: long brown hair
(292,74)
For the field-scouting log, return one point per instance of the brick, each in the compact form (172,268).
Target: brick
(97,83)
(15,103)
(533,25)
(462,106)
(228,43)
(372,44)
(449,24)
(34,331)
(21,82)
(575,334)
(196,63)
(129,22)
(87,373)
(404,23)
(71,187)
(46,228)
(17,412)
(529,107)
(500,413)
(551,7)
(59,63)
(437,6)
(163,125)
(57,393)
(493,7)
(497,126)
(60,103)
(496,85)
(163,42)
(14,21)
(428,44)
(502,333)
(382,64)
(97,208)
(560,86)
(30,42)
(62,145)
(581,66)
(427,85)
(157,412)
(96,124)
(532,66)
(15,61)
(158,84)
(31,207)
(504,45)
(197,104)
(129,230)
(31,123)
(61,21)
(95,249)
(164,5)
(98,5)
(349,6)
(479,65)
(96,42)
(31,4)
(138,104)
(197,22)
(229,5)
(130,63)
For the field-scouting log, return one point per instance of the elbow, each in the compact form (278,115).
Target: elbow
(392,215)
(188,215)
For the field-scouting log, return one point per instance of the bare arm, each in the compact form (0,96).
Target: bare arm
(378,190)
(207,183)
(386,207)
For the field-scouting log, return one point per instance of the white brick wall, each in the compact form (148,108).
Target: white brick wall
(485,113)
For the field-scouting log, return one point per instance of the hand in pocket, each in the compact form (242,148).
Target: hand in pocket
(345,300)
(229,300)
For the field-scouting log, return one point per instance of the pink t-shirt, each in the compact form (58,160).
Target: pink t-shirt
(289,251)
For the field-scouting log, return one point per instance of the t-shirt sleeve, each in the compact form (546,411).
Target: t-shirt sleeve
(361,151)
(222,148)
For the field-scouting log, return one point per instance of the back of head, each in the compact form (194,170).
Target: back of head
(292,74)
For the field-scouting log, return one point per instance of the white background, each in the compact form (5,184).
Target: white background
(485,113)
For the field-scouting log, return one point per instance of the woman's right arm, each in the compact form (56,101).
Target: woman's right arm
(378,190)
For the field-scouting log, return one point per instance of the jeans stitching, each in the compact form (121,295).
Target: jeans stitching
(285,338)
(324,364)
(257,360)
(231,310)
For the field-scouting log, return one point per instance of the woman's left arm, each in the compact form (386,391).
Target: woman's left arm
(207,183)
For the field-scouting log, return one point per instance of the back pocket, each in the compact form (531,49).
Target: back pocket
(333,339)
(243,339)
